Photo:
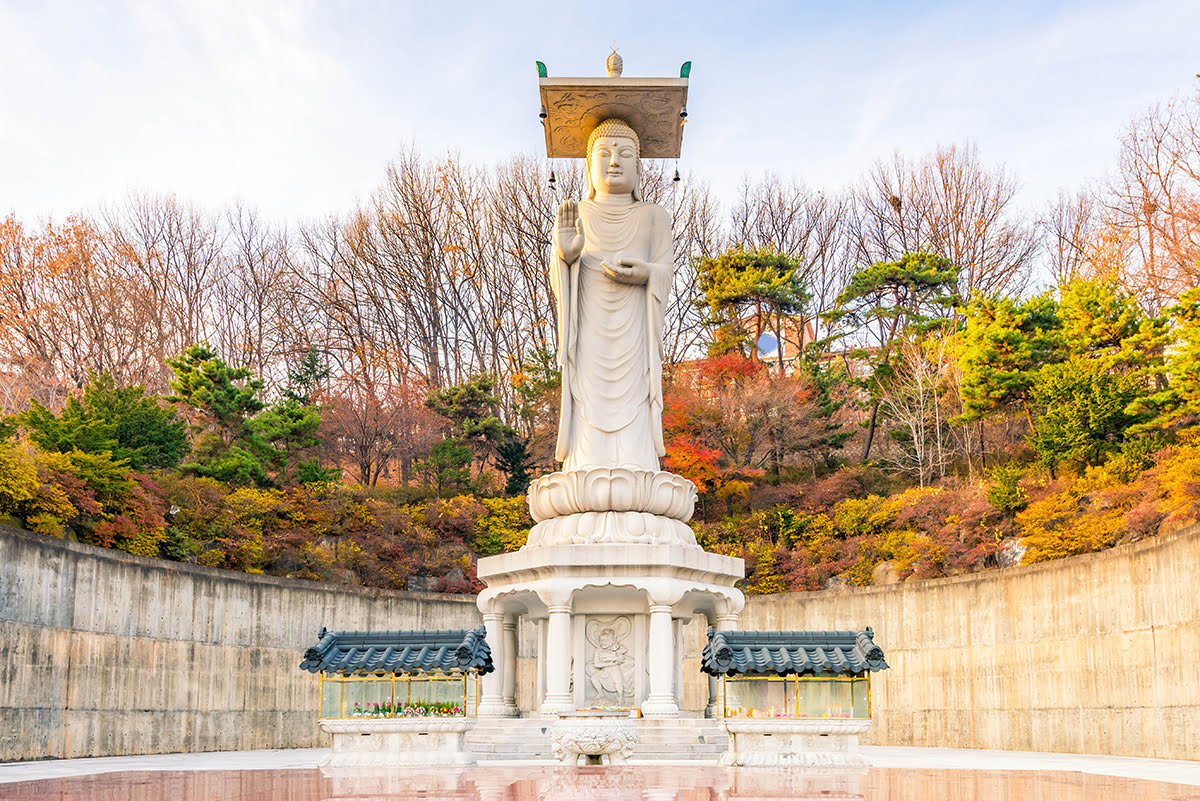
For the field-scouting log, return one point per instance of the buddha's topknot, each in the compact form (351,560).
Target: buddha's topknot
(613,127)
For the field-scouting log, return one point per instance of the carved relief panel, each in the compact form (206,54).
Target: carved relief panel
(607,669)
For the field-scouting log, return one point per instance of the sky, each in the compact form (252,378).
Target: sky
(296,108)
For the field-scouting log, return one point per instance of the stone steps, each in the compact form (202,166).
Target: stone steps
(658,739)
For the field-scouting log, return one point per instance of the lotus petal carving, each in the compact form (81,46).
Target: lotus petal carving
(592,528)
(612,489)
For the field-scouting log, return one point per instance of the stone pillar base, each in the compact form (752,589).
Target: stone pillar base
(553,705)
(654,707)
(497,709)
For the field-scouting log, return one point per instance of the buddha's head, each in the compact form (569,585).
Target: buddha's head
(613,165)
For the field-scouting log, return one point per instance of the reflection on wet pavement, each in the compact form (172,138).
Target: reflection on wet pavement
(633,783)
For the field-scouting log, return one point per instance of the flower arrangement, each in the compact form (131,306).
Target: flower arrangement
(409,710)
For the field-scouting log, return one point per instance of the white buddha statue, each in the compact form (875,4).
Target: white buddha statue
(613,262)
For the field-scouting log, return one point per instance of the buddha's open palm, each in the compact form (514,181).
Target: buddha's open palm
(570,232)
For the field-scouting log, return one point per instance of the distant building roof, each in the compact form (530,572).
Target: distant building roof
(366,652)
(806,653)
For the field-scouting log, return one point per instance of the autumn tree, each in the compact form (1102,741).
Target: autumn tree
(378,427)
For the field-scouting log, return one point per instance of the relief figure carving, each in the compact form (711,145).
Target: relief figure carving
(610,668)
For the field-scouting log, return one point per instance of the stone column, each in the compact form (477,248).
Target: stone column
(491,701)
(660,702)
(558,662)
(509,685)
(726,622)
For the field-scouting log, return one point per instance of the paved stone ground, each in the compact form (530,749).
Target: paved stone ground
(1162,770)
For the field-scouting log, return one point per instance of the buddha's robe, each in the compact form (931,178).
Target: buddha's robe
(610,339)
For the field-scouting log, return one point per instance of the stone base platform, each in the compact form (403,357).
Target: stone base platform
(806,743)
(392,742)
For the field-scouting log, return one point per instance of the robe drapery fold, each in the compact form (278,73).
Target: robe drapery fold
(610,339)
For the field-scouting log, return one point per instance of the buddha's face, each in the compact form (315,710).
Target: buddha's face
(614,165)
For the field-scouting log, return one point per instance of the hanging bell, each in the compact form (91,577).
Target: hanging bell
(553,182)
(676,178)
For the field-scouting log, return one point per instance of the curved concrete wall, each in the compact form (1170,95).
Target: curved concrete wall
(1094,655)
(103,653)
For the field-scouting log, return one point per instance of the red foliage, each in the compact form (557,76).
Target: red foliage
(694,462)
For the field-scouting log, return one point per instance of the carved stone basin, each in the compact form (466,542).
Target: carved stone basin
(602,737)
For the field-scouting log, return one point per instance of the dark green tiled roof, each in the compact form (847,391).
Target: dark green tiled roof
(367,652)
(806,653)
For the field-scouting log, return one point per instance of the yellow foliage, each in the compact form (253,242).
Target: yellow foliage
(144,543)
(18,477)
(48,510)
(349,554)
(248,504)
(1068,524)
(249,555)
(506,522)
(767,585)
(735,487)
(46,524)
(1179,478)
(211,558)
(318,561)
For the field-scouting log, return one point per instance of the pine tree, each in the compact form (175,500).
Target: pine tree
(911,297)
(1006,343)
(761,282)
(222,400)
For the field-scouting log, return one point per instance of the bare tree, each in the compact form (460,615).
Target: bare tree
(790,218)
(916,404)
(1068,231)
(175,252)
(253,321)
(1154,201)
(371,424)
(949,204)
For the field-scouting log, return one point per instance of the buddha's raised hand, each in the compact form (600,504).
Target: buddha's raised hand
(570,232)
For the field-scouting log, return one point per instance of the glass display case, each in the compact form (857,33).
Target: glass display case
(773,696)
(451,694)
